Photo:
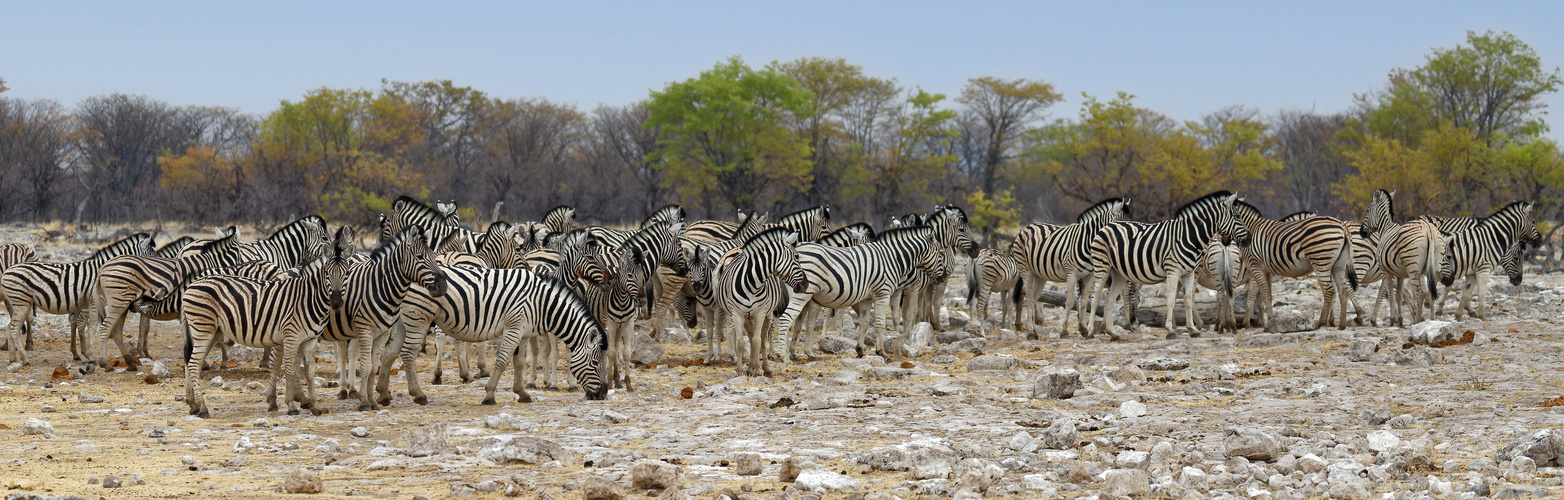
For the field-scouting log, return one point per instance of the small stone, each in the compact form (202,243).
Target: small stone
(1253,444)
(972,345)
(1131,459)
(217,381)
(1432,331)
(33,426)
(644,350)
(359,432)
(1128,482)
(236,461)
(1132,409)
(601,488)
(1382,440)
(791,468)
(48,409)
(1023,442)
(187,460)
(112,482)
(159,369)
(993,362)
(134,480)
(1163,364)
(614,417)
(243,444)
(747,464)
(1362,350)
(427,440)
(833,344)
(654,475)
(1544,447)
(329,446)
(1056,383)
(1059,436)
(1127,375)
(815,479)
(82,397)
(303,481)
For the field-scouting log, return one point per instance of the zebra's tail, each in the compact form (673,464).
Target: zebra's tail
(1345,259)
(1226,271)
(1433,257)
(189,342)
(972,282)
(1018,294)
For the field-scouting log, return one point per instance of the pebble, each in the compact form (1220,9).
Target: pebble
(359,432)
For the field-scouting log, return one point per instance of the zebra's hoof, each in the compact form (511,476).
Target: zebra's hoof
(384,401)
(204,414)
(1171,336)
(1195,334)
(436,380)
(293,411)
(366,407)
(271,407)
(422,400)
(488,401)
(524,398)
(531,385)
(465,380)
(343,394)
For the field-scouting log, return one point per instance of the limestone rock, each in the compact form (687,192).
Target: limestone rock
(747,464)
(601,488)
(1253,444)
(1132,409)
(654,475)
(1128,482)
(1163,364)
(1545,447)
(36,426)
(1056,383)
(302,481)
(972,345)
(1059,436)
(993,362)
(1432,331)
(833,344)
(826,479)
(509,448)
(427,440)
(1362,350)
(644,350)
(1382,440)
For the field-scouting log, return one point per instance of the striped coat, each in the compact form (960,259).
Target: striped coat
(58,288)
(125,279)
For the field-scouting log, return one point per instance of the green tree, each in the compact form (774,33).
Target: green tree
(919,153)
(843,99)
(725,136)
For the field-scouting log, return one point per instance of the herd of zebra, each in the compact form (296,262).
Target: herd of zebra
(527,287)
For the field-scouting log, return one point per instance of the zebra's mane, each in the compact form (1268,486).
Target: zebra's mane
(391,244)
(1514,206)
(560,208)
(297,226)
(767,235)
(209,245)
(1102,206)
(177,243)
(824,215)
(132,240)
(1239,207)
(656,215)
(903,232)
(1199,203)
(1390,203)
(1300,215)
(961,214)
(409,205)
(867,229)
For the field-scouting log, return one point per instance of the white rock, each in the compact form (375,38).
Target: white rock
(1132,409)
(329,446)
(816,479)
(37,426)
(1023,442)
(922,334)
(1438,488)
(359,432)
(159,369)
(1131,459)
(1432,331)
(243,444)
(217,381)
(1382,440)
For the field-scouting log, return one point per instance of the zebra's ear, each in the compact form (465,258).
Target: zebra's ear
(1228,201)
(791,239)
(1527,207)
(340,243)
(678,227)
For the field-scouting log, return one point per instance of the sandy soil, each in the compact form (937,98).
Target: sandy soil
(979,431)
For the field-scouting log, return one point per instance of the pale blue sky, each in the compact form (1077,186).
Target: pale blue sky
(1181,58)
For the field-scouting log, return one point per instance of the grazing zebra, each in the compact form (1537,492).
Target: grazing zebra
(58,289)
(809,223)
(508,305)
(498,248)
(373,292)
(992,271)
(1164,252)
(1408,255)
(615,304)
(863,276)
(124,279)
(1060,254)
(287,313)
(1474,253)
(1315,245)
(294,245)
(579,265)
(1221,269)
(560,219)
(746,293)
(166,306)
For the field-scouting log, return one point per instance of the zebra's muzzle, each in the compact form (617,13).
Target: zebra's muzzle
(336,299)
(437,289)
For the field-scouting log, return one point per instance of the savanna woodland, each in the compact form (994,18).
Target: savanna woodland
(1461,133)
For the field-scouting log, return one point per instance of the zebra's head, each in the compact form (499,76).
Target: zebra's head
(1229,226)
(316,239)
(786,266)
(965,244)
(1527,232)
(1511,261)
(1381,212)
(630,277)
(334,272)
(1447,264)
(931,254)
(673,254)
(703,267)
(426,269)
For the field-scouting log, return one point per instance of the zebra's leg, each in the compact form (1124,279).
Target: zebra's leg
(1481,281)
(286,368)
(1088,311)
(479,351)
(20,317)
(366,365)
(626,337)
(308,377)
(507,347)
(200,342)
(271,388)
(753,325)
(438,339)
(345,363)
(1191,315)
(413,332)
(1118,286)
(1174,282)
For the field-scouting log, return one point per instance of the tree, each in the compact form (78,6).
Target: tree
(623,139)
(990,214)
(529,142)
(36,139)
(1311,157)
(450,138)
(919,153)
(200,184)
(724,136)
(995,112)
(844,100)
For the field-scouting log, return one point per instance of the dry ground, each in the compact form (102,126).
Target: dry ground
(1300,387)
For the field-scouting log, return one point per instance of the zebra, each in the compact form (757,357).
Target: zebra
(713,231)
(176,247)
(16,253)
(994,270)
(1061,254)
(166,306)
(1407,254)
(442,219)
(921,291)
(293,245)
(287,313)
(58,289)
(862,277)
(510,305)
(581,268)
(560,219)
(1451,225)
(1221,270)
(851,235)
(746,294)
(498,248)
(124,279)
(809,223)
(373,292)
(1473,253)
(615,303)
(1164,252)
(670,285)
(1315,245)
(669,213)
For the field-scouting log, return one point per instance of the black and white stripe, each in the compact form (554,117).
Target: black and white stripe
(747,291)
(125,279)
(994,270)
(1318,246)
(1474,253)
(1060,254)
(615,304)
(1408,256)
